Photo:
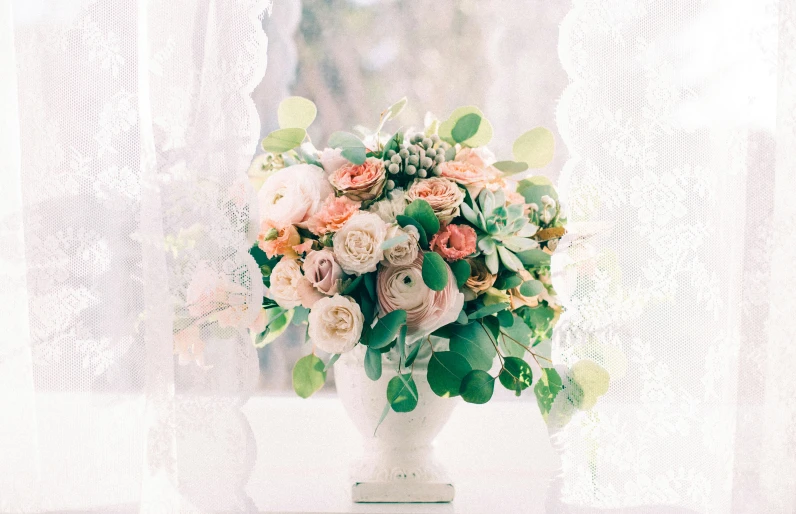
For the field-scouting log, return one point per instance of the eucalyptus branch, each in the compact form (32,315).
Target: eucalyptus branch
(494,343)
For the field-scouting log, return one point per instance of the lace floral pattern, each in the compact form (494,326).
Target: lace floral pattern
(682,298)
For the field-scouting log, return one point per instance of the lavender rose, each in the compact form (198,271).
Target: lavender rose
(323,272)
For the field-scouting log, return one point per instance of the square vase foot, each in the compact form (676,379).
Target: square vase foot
(402,492)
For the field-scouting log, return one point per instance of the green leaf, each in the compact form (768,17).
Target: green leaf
(395,109)
(300,315)
(511,167)
(421,211)
(461,270)
(370,284)
(435,271)
(445,373)
(531,288)
(547,388)
(389,243)
(277,323)
(373,364)
(351,287)
(402,393)
(382,418)
(308,375)
(513,337)
(505,318)
(516,374)
(413,354)
(353,148)
(534,188)
(283,140)
(404,220)
(462,318)
(402,342)
(508,259)
(472,342)
(386,328)
(488,310)
(507,281)
(481,138)
(331,362)
(534,258)
(477,387)
(465,127)
(296,112)
(536,147)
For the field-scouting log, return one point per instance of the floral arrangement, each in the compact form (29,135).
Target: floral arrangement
(415,242)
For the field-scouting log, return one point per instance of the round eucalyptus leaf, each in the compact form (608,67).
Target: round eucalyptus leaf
(477,387)
(435,271)
(535,148)
(296,112)
(516,374)
(421,211)
(402,393)
(445,373)
(465,127)
(283,140)
(308,375)
(482,137)
(461,270)
(531,288)
(373,364)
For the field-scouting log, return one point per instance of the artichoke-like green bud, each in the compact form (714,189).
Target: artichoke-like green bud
(422,173)
(393,168)
(428,143)
(410,170)
(426,162)
(431,153)
(414,160)
(390,185)
(437,171)
(404,153)
(395,159)
(439,158)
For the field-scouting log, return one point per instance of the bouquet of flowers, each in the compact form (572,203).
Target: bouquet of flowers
(415,242)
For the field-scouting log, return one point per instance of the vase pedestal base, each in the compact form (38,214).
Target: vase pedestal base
(402,492)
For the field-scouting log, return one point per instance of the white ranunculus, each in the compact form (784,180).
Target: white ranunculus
(289,287)
(357,246)
(402,253)
(293,194)
(335,324)
(332,158)
(391,206)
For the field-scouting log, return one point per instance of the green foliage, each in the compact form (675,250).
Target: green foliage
(445,373)
(352,147)
(402,393)
(389,243)
(534,258)
(308,375)
(488,310)
(331,362)
(516,374)
(477,387)
(508,280)
(465,127)
(283,140)
(402,342)
(531,288)
(513,337)
(511,167)
(296,112)
(404,220)
(435,271)
(534,188)
(481,137)
(472,342)
(386,328)
(277,321)
(410,359)
(461,270)
(373,364)
(546,389)
(538,320)
(421,211)
(353,284)
(535,147)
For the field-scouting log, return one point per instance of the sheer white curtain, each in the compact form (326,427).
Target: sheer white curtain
(679,119)
(127,130)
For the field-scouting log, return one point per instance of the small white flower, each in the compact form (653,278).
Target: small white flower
(335,324)
(390,206)
(289,287)
(402,253)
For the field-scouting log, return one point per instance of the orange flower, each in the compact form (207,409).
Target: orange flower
(284,243)
(332,215)
(454,242)
(361,182)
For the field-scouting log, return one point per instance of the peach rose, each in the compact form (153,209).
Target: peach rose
(467,174)
(454,242)
(443,195)
(402,287)
(286,242)
(291,195)
(361,182)
(479,157)
(332,215)
(480,278)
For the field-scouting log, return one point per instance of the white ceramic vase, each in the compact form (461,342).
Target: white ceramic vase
(398,463)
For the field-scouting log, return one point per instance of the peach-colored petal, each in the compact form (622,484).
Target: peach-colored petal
(332,215)
(304,247)
(454,242)
(361,182)
(284,244)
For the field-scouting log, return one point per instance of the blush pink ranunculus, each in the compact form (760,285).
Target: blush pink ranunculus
(479,157)
(293,194)
(332,215)
(323,272)
(360,182)
(469,175)
(454,242)
(402,287)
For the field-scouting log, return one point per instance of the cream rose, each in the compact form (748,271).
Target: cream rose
(289,288)
(335,324)
(357,246)
(323,272)
(402,287)
(291,195)
(443,195)
(391,206)
(402,253)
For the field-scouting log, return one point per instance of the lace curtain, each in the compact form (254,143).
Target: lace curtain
(128,128)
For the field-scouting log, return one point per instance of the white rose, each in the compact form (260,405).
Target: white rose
(335,324)
(357,246)
(289,287)
(293,194)
(402,253)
